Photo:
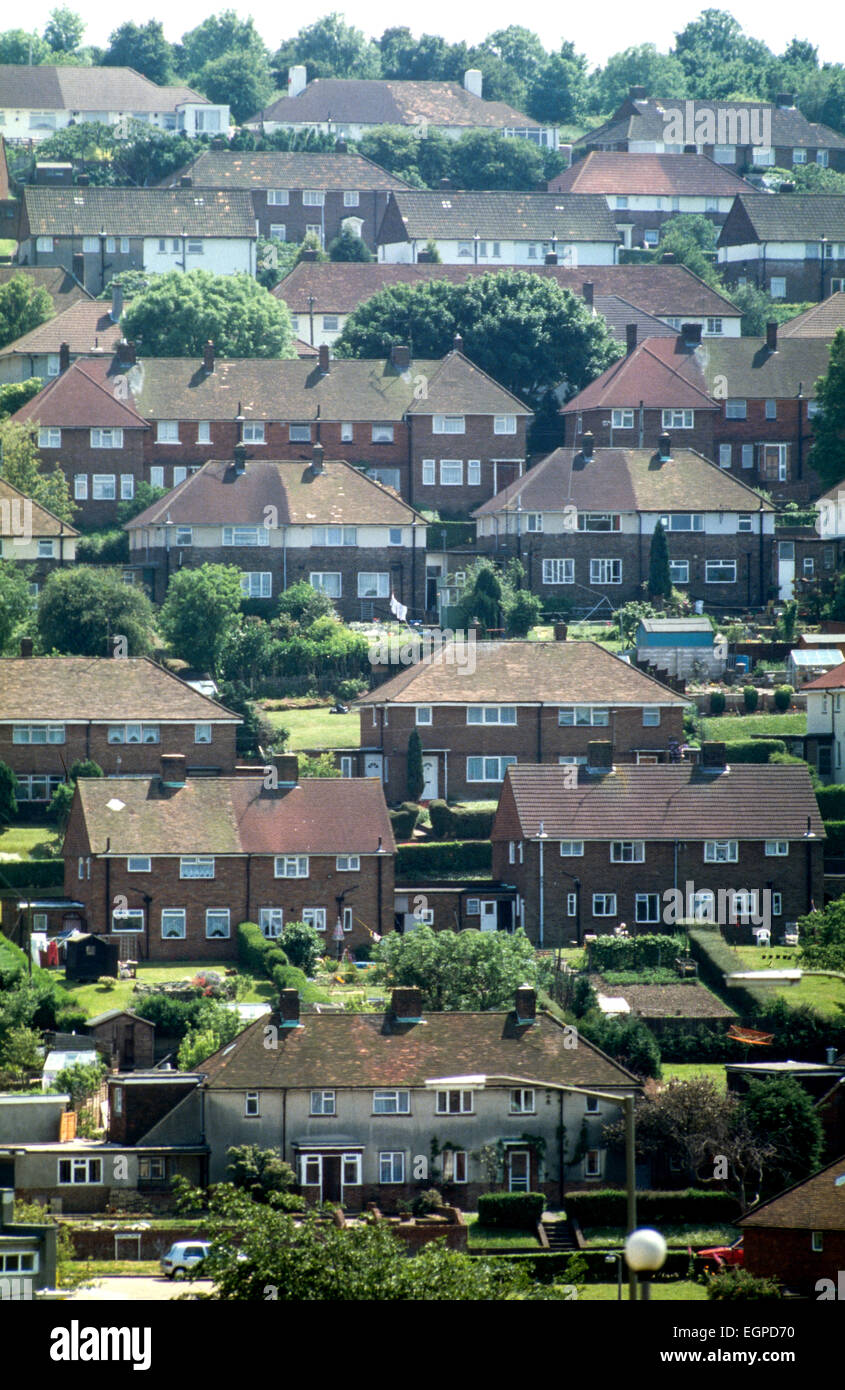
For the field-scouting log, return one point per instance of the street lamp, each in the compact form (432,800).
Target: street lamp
(645,1251)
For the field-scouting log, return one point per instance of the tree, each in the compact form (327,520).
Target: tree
(642,65)
(416,775)
(827,455)
(689,237)
(20,48)
(627,1040)
(485,159)
(558,92)
(404,153)
(81,1081)
(458,970)
(214,1027)
(822,936)
(659,578)
(318,765)
(409,59)
(782,1114)
(182,311)
(522,612)
(302,945)
(145,496)
(142,47)
(81,611)
(482,598)
(348,246)
(15,601)
(255,735)
(331,48)
(59,809)
(221,34)
(8,800)
(23,306)
(305,604)
(260,1172)
(14,394)
(242,81)
(64,30)
(20,467)
(22,1053)
(201,606)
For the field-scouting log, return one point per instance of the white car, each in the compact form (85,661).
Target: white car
(183,1257)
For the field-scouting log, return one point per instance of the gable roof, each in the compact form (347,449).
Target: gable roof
(82,688)
(667,802)
(79,89)
(365,101)
(81,398)
(817,1203)
(117,1013)
(658,373)
(524,673)
(372,1050)
(819,321)
(646,119)
(86,326)
(62,288)
(338,495)
(137,212)
(44,522)
(784,217)
(235,815)
(626,480)
(458,386)
(615,172)
(340,286)
(511,216)
(283,169)
(829,680)
(619,312)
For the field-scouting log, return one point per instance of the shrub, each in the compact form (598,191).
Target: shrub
(466,823)
(783,698)
(750,698)
(741,1284)
(753,750)
(607,1207)
(302,946)
(252,946)
(273,956)
(404,820)
(428,1203)
(835,842)
(717,702)
(831,802)
(449,856)
(649,950)
(515,1211)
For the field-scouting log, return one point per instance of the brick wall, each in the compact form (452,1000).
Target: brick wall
(296,218)
(788,1255)
(76,456)
(478,442)
(84,741)
(804,279)
(791,427)
(700,437)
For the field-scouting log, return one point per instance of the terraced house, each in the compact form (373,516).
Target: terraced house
(582,519)
(618,845)
(170,865)
(791,245)
(480,707)
(120,712)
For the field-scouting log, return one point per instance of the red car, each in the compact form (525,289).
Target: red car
(722,1257)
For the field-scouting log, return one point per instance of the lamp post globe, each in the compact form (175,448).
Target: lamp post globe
(645,1251)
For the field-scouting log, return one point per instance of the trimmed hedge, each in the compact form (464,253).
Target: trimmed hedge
(550,1267)
(753,750)
(692,1207)
(470,823)
(835,832)
(635,953)
(252,946)
(831,803)
(515,1211)
(32,873)
(452,856)
(404,820)
(717,702)
(716,960)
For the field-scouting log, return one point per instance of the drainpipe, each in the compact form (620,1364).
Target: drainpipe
(108,880)
(540,838)
(540,732)
(248,885)
(561,1150)
(799,460)
(380,862)
(760,558)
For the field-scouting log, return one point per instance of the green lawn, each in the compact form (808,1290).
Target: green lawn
(825,993)
(317,728)
(674,1291)
(736,726)
(494,1238)
(18,841)
(691,1071)
(96,999)
(676,1237)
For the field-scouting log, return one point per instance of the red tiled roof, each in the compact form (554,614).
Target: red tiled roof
(80,398)
(660,372)
(87,327)
(609,172)
(830,680)
(100,688)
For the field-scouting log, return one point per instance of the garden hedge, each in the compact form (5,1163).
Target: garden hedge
(32,873)
(551,1266)
(607,1207)
(753,750)
(451,856)
(404,819)
(636,952)
(516,1211)
(835,832)
(469,823)
(252,946)
(831,803)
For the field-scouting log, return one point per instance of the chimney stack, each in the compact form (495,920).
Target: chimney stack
(713,756)
(406,1005)
(289,1008)
(600,755)
(587,444)
(240,458)
(551,258)
(323,354)
(588,293)
(630,337)
(173,769)
(691,334)
(287,768)
(64,357)
(26,648)
(78,268)
(208,357)
(473,81)
(186,181)
(400,357)
(341,147)
(638,94)
(125,354)
(297,80)
(772,337)
(83,181)
(668,258)
(785,100)
(664,447)
(457,343)
(116,301)
(317,459)
(525,1004)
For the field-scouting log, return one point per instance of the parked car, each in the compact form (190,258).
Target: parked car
(184,1257)
(721,1257)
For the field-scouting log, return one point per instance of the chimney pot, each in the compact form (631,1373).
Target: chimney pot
(240,458)
(713,755)
(691,333)
(317,459)
(287,768)
(772,337)
(630,337)
(125,353)
(26,648)
(785,100)
(664,446)
(457,343)
(668,258)
(600,755)
(173,769)
(588,290)
(64,357)
(208,357)
(324,358)
(587,444)
(83,181)
(406,1003)
(289,1008)
(561,630)
(525,1004)
(308,254)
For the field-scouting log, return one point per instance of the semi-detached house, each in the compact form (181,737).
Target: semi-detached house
(31,535)
(792,245)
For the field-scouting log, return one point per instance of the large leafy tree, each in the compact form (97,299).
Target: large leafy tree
(142,47)
(64,30)
(331,48)
(21,467)
(484,159)
(827,455)
(459,970)
(81,610)
(19,47)
(200,608)
(823,937)
(15,603)
(220,34)
(23,306)
(409,59)
(258,1171)
(558,92)
(642,65)
(690,237)
(781,1113)
(241,80)
(180,312)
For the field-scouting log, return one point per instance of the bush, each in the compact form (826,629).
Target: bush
(252,946)
(514,1211)
(835,842)
(274,956)
(404,820)
(741,1284)
(750,698)
(33,873)
(692,1207)
(717,702)
(753,750)
(302,946)
(783,698)
(648,950)
(452,856)
(831,802)
(468,823)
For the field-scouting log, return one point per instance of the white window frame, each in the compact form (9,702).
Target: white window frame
(571,849)
(49,438)
(348,863)
(104,487)
(604,904)
(711,566)
(167,432)
(504,424)
(391,1101)
(647,907)
(221,912)
(381,585)
(560,570)
(721,851)
(523,1101)
(253,432)
(489,772)
(605,572)
(323,1103)
(448,424)
(138,864)
(106,438)
(675,418)
(176,917)
(627,851)
(776,849)
(271,920)
(252,1105)
(196,866)
(391,1167)
(465,1104)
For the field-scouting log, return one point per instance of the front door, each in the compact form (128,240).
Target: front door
(504,915)
(489,915)
(374,766)
(429,791)
(331,1178)
(519,1170)
(786,569)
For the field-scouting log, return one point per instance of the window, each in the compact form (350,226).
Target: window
(313,198)
(454,1165)
(817,1242)
(80,1171)
(504,424)
(278,197)
(44,243)
(513,845)
(334,535)
(454,1103)
(683,521)
(246,535)
(522,1102)
(725,455)
(254,432)
(571,849)
(271,921)
(38,733)
(314,917)
(49,438)
(651,236)
(721,851)
(257,583)
(196,866)
(291,866)
(488,769)
(138,864)
(167,432)
(104,487)
(714,326)
(106,439)
(428,472)
(720,572)
(651,716)
(474,472)
(743,522)
(748,455)
(373,585)
(52,364)
(91,245)
(604,904)
(348,863)
(592,1163)
(583,714)
(391,1166)
(279,232)
(323,1103)
(622,419)
(605,571)
(465,250)
(184,535)
(777,287)
(621,200)
(627,851)
(252,1105)
(777,848)
(774,463)
(394,535)
(331,323)
(677,419)
(491,714)
(156,477)
(592,1105)
(392,1102)
(134,733)
(351,198)
(647,907)
(217,923)
(822,158)
(559,571)
(799,156)
(534,522)
(328,582)
(679,571)
(599,521)
(173,923)
(777,904)
(809,565)
(382,434)
(127,919)
(423,714)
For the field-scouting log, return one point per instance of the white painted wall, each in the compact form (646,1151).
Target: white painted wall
(578,253)
(221,255)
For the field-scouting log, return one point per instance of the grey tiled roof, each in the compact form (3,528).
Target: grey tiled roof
(785,217)
(365,101)
(282,169)
(511,216)
(138,212)
(67,88)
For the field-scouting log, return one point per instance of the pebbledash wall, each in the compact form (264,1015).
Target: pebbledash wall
(537,737)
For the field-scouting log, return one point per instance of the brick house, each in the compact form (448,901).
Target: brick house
(169,866)
(481,707)
(798,1237)
(280,522)
(121,713)
(581,521)
(87,329)
(510,228)
(792,245)
(645,190)
(32,535)
(739,135)
(98,232)
(294,193)
(321,296)
(825,738)
(615,845)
